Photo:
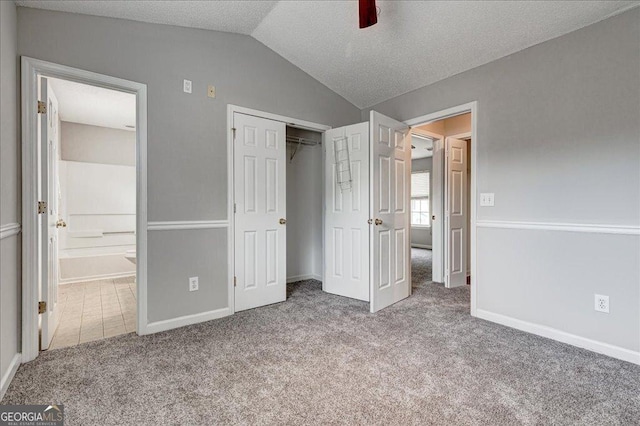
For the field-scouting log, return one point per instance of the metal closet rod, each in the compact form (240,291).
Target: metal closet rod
(302,141)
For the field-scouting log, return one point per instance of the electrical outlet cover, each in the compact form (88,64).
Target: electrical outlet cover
(186,86)
(602,303)
(193,284)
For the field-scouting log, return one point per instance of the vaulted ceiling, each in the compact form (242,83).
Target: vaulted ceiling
(415,43)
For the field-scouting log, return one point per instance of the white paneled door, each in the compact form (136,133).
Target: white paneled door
(437,211)
(390,171)
(456,216)
(346,230)
(260,208)
(50,221)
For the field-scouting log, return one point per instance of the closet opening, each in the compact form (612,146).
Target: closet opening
(304,194)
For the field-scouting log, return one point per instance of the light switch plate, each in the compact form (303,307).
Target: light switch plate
(186,86)
(211,91)
(486,199)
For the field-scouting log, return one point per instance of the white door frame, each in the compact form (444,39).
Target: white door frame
(294,122)
(471,107)
(31,69)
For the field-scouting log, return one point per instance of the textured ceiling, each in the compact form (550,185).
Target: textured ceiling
(220,15)
(84,104)
(415,43)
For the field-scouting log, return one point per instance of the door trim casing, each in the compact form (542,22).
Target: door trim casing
(471,107)
(231,110)
(31,69)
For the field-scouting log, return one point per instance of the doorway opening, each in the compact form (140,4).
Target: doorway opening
(442,199)
(84,206)
(90,136)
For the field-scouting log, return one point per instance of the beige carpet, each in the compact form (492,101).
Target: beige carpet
(322,359)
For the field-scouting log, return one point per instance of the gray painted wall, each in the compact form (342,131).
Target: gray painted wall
(422,236)
(187,137)
(10,296)
(558,141)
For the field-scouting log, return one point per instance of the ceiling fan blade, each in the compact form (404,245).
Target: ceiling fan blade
(368,13)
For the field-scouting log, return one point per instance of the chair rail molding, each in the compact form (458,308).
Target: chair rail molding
(9,230)
(561,226)
(187,224)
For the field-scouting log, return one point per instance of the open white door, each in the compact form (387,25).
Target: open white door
(346,231)
(390,168)
(437,215)
(49,191)
(260,205)
(456,216)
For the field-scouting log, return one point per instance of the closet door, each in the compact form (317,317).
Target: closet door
(260,205)
(346,231)
(390,211)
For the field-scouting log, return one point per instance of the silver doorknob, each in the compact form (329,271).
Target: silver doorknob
(283,221)
(61,224)
(378,222)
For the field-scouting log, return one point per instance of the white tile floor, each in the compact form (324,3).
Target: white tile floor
(95,310)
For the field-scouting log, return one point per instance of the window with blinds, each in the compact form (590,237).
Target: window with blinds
(420,214)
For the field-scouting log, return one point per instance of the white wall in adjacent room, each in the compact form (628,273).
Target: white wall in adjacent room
(98,201)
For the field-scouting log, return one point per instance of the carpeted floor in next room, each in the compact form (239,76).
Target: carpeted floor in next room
(323,359)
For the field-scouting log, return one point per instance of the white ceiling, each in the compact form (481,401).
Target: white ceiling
(415,43)
(232,16)
(84,104)
(423,147)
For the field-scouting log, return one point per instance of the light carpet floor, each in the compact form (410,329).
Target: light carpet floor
(323,359)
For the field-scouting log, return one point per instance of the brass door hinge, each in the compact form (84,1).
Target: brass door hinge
(233,129)
(42,307)
(42,207)
(235,281)
(42,107)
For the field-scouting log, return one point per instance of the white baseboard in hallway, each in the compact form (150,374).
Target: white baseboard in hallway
(562,336)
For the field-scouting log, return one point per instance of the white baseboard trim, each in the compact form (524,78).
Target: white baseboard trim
(294,278)
(422,246)
(7,377)
(562,336)
(9,230)
(96,278)
(170,324)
